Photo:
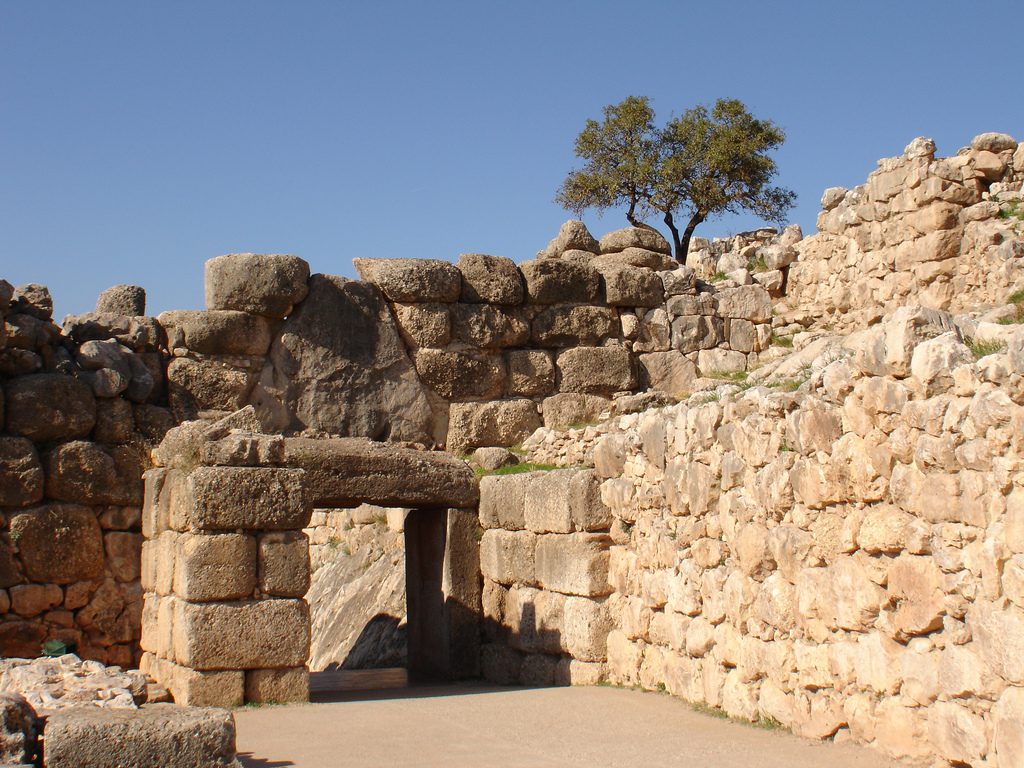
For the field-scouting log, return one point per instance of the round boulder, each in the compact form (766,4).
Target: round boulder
(123,300)
(263,284)
(49,406)
(59,543)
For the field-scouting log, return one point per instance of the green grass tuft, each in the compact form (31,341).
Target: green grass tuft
(982,349)
(782,341)
(516,469)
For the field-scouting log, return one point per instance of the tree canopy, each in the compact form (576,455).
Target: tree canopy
(701,165)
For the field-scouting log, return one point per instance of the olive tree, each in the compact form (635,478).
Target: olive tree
(700,165)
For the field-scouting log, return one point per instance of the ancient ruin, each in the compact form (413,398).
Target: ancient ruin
(785,479)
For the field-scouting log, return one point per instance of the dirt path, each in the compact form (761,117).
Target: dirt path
(477,726)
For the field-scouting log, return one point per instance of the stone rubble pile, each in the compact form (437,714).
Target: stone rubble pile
(50,684)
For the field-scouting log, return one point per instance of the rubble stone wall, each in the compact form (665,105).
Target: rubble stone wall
(846,558)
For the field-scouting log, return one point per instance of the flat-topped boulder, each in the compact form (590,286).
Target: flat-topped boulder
(412,279)
(634,237)
(263,284)
(350,471)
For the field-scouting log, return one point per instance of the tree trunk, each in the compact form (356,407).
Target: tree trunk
(684,247)
(632,219)
(675,238)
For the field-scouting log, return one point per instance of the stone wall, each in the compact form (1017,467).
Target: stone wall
(77,419)
(844,557)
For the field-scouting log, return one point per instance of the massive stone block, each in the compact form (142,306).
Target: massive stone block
(502,501)
(217,332)
(263,284)
(489,327)
(628,286)
(634,237)
(574,563)
(596,369)
(59,543)
(217,567)
(531,372)
(283,563)
(569,408)
(85,472)
(462,375)
(167,735)
(418,280)
(551,281)
(48,406)
(229,498)
(502,423)
(21,473)
(572,326)
(339,365)
(346,472)
(546,502)
(196,688)
(507,557)
(246,635)
(209,384)
(490,279)
(669,372)
(277,686)
(424,325)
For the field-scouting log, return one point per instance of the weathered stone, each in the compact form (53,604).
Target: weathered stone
(21,473)
(750,302)
(573,235)
(81,471)
(195,386)
(691,333)
(262,284)
(264,633)
(492,458)
(668,372)
(883,529)
(157,734)
(218,332)
(498,423)
(906,329)
(124,552)
(572,326)
(490,279)
(507,557)
(573,564)
(462,375)
(19,729)
(914,585)
(115,421)
(214,567)
(283,563)
(33,299)
(122,300)
(1008,728)
(30,600)
(488,326)
(933,361)
(48,407)
(502,501)
(22,639)
(999,638)
(228,498)
(634,237)
(339,365)
(345,472)
(424,325)
(59,543)
(596,369)
(627,286)
(417,280)
(551,281)
(531,372)
(197,688)
(589,512)
(277,686)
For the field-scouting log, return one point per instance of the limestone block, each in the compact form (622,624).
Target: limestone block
(634,237)
(695,332)
(531,372)
(679,281)
(883,529)
(168,735)
(702,304)
(572,671)
(263,633)
(589,512)
(115,421)
(507,557)
(741,335)
(214,567)
(200,688)
(218,332)
(574,564)
(628,286)
(488,326)
(30,600)
(720,361)
(551,281)
(585,627)
(219,498)
(933,361)
(749,302)
(122,300)
(914,585)
(277,686)
(489,279)
(569,408)
(570,326)
(124,553)
(424,325)
(999,638)
(962,674)
(283,563)
(1008,728)
(346,472)
(498,423)
(596,369)
(908,327)
(500,664)
(547,502)
(502,499)
(262,284)
(58,543)
(668,372)
(21,473)
(573,235)
(461,375)
(209,384)
(81,471)
(415,280)
(534,619)
(1013,526)
(633,257)
(957,734)
(48,407)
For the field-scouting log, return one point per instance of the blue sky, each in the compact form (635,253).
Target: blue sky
(138,140)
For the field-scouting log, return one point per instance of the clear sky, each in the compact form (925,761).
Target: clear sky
(139,139)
